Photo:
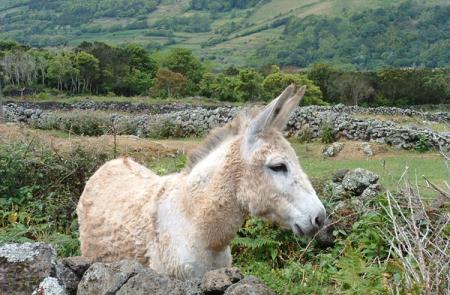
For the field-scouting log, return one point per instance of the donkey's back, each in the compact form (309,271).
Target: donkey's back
(116,211)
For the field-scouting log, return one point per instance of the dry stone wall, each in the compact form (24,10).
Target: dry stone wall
(188,120)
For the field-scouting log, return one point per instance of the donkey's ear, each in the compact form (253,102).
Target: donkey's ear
(282,119)
(266,118)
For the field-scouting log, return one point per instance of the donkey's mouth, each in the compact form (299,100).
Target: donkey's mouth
(297,230)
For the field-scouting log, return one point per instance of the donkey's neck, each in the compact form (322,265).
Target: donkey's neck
(211,198)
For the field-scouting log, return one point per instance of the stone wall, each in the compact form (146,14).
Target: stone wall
(33,268)
(197,120)
(438,116)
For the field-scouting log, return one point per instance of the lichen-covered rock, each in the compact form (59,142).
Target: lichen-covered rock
(358,180)
(108,278)
(67,278)
(338,176)
(335,190)
(149,282)
(333,149)
(50,286)
(77,264)
(24,266)
(371,192)
(366,148)
(220,279)
(250,285)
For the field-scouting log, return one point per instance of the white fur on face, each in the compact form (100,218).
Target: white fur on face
(290,199)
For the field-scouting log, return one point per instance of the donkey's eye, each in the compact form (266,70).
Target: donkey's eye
(278,168)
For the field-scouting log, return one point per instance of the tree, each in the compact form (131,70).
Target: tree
(168,83)
(321,75)
(62,70)
(88,67)
(140,59)
(249,85)
(354,87)
(275,83)
(181,60)
(41,58)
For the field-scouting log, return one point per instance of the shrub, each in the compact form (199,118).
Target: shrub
(305,134)
(39,190)
(164,128)
(422,145)
(327,134)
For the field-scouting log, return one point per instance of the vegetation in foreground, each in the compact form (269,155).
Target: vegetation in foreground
(41,185)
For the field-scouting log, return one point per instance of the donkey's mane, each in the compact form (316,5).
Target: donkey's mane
(220,134)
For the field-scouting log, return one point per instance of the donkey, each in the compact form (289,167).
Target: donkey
(181,224)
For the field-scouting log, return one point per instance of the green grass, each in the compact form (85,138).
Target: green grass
(389,167)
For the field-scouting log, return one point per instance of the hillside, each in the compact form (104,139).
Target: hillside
(251,32)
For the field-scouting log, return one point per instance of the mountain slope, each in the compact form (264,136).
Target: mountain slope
(227,32)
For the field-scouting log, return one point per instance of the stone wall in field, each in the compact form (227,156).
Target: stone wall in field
(437,116)
(187,120)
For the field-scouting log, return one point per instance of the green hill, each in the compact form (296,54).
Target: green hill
(355,33)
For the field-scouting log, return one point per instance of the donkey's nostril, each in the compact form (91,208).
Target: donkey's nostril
(319,220)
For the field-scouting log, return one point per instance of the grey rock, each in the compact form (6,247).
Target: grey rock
(77,264)
(338,176)
(67,278)
(250,285)
(367,149)
(220,279)
(333,149)
(24,266)
(335,190)
(50,286)
(108,278)
(149,282)
(358,180)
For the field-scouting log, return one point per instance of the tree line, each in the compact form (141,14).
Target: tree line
(100,69)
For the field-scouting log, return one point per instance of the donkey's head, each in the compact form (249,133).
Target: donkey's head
(274,185)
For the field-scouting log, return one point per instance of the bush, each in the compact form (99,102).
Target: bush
(327,134)
(39,190)
(422,145)
(305,134)
(164,128)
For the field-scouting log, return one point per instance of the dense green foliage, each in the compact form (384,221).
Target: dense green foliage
(220,5)
(98,68)
(404,36)
(398,87)
(39,190)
